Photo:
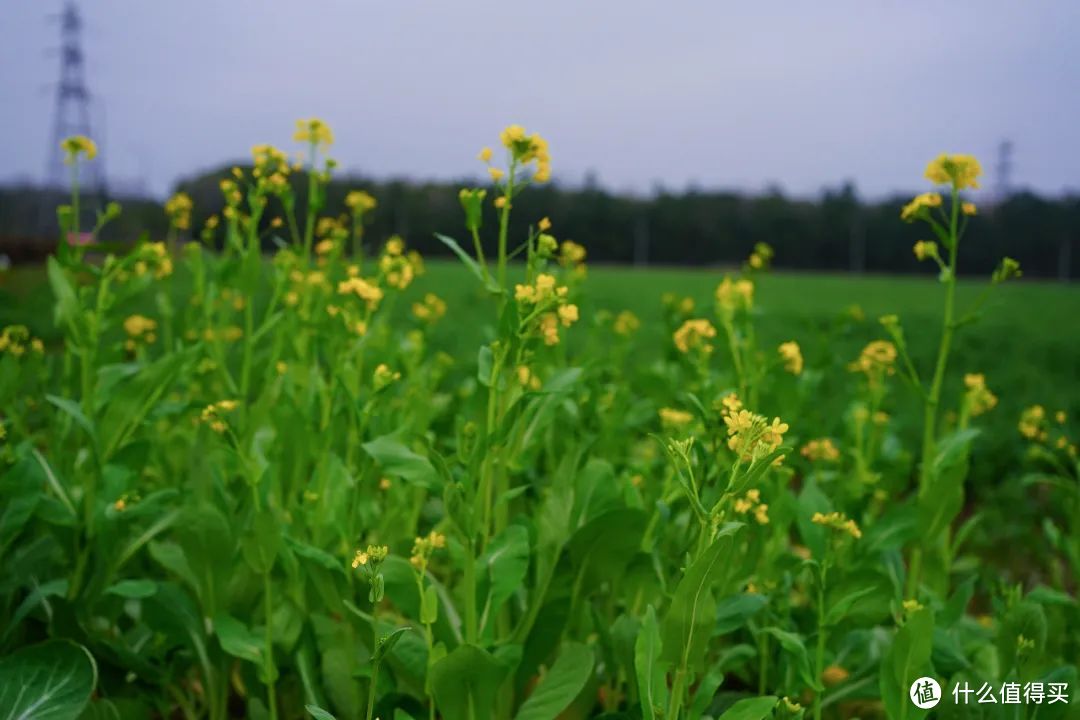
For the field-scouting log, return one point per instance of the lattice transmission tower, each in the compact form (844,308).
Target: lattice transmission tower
(71,114)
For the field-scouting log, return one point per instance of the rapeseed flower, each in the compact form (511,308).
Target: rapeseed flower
(732,295)
(313,131)
(920,205)
(978,397)
(626,323)
(820,449)
(924,249)
(360,201)
(837,521)
(961,171)
(673,419)
(77,146)
(694,335)
(792,356)
(178,209)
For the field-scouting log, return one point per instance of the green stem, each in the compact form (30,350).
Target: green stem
(504,224)
(469,582)
(268,607)
(820,658)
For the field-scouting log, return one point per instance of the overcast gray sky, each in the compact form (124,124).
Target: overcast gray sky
(720,93)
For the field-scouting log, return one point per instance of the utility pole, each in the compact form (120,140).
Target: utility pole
(1003,171)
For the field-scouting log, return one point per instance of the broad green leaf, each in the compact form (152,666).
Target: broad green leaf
(691,618)
(732,612)
(485,362)
(50,681)
(20,488)
(650,669)
(396,459)
(907,659)
(465,258)
(68,310)
(237,640)
(507,563)
(318,713)
(387,642)
(751,709)
(75,412)
(794,645)
(562,683)
(941,499)
(207,540)
(262,542)
(466,682)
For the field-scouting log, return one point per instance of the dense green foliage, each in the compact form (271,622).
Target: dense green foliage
(342,483)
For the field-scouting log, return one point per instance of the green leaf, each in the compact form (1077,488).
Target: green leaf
(396,459)
(429,606)
(733,612)
(507,563)
(466,682)
(318,713)
(21,488)
(562,683)
(468,261)
(941,499)
(750,709)
(133,588)
(133,400)
(68,310)
(387,642)
(310,552)
(50,681)
(206,538)
(72,409)
(691,618)
(262,543)
(237,640)
(907,659)
(651,670)
(793,644)
(485,362)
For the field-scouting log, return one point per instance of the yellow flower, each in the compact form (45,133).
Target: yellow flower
(968,208)
(314,131)
(1032,421)
(384,376)
(430,309)
(324,247)
(77,145)
(735,295)
(549,329)
(962,171)
(496,174)
(360,201)
(500,202)
(837,521)
(924,249)
(911,606)
(544,225)
(834,675)
(369,293)
(876,360)
(919,205)
(137,325)
(485,155)
(673,419)
(792,356)
(978,397)
(695,335)
(526,377)
(568,314)
(282,367)
(821,449)
(178,209)
(626,323)
(761,514)
(571,253)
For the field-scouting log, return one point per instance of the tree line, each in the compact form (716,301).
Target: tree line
(835,231)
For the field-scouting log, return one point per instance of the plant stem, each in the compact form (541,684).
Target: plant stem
(820,658)
(269,646)
(469,582)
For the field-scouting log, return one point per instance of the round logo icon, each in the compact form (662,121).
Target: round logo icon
(925,693)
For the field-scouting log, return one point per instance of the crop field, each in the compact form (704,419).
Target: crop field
(272,467)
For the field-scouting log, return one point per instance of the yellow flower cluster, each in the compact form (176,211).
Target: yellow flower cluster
(178,210)
(373,554)
(978,397)
(271,169)
(423,547)
(750,435)
(397,268)
(525,149)
(792,357)
(360,201)
(751,502)
(368,292)
(924,249)
(673,419)
(430,309)
(544,293)
(876,360)
(527,378)
(313,131)
(694,335)
(78,145)
(212,414)
(153,257)
(384,376)
(732,295)
(14,339)
(919,205)
(820,449)
(571,254)
(626,323)
(543,288)
(761,256)
(838,521)
(139,328)
(961,171)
